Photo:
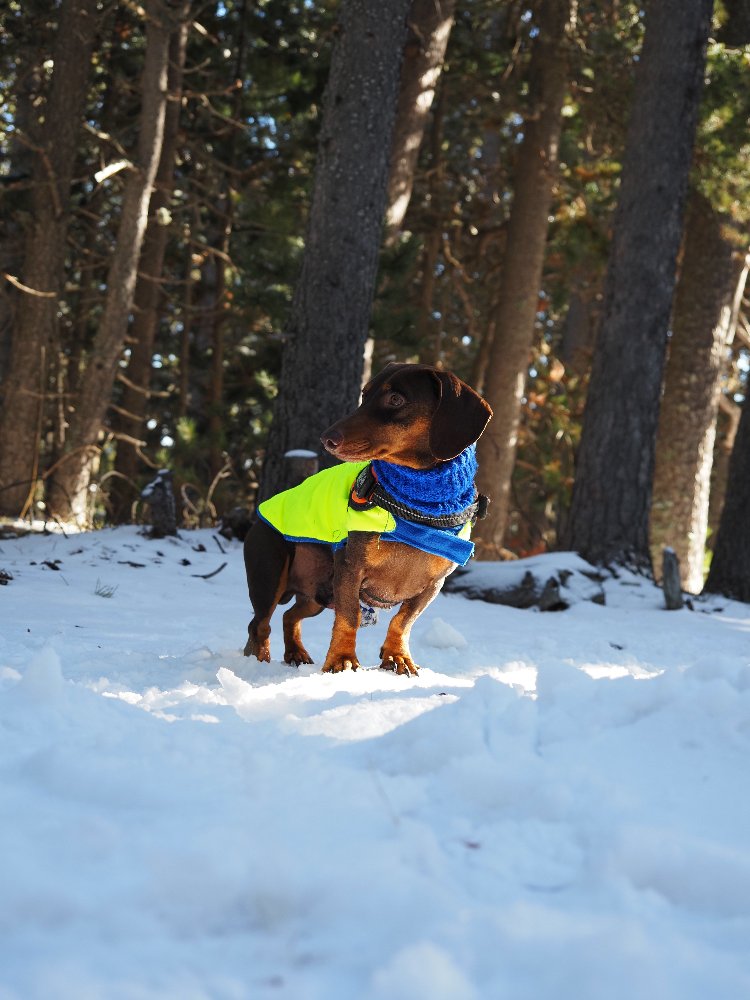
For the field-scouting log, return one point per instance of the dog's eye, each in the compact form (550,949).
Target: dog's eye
(394,400)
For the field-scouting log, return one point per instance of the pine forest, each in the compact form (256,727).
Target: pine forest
(219,220)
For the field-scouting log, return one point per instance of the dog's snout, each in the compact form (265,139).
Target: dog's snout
(332,439)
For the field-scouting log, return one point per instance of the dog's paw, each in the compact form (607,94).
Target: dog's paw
(297,654)
(399,664)
(335,664)
(260,650)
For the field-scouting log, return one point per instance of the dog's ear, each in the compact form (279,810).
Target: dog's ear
(460,418)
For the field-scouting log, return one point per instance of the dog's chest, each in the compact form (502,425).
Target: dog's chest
(394,572)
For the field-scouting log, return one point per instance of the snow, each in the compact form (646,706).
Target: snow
(556,807)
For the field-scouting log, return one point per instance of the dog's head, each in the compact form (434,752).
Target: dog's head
(413,415)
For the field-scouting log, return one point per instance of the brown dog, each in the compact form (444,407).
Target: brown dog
(384,528)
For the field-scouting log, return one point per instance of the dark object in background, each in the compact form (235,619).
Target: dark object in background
(670,580)
(299,464)
(536,582)
(159,495)
(235,523)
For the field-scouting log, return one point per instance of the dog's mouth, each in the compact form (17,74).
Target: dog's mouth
(349,452)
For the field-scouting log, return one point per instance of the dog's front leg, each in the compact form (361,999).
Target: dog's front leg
(348,571)
(395,654)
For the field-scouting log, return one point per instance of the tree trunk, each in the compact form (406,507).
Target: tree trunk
(727,422)
(148,287)
(17,183)
(34,335)
(430,23)
(701,321)
(522,269)
(612,492)
(69,488)
(323,355)
(730,566)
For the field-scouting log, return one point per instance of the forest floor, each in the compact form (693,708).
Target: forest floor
(557,808)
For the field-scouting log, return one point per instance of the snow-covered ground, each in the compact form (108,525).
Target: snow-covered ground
(557,807)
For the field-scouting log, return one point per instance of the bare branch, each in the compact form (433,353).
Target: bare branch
(25,288)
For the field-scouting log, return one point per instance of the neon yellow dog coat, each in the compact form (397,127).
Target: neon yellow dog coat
(318,511)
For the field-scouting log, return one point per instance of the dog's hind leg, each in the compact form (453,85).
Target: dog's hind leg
(304,607)
(267,560)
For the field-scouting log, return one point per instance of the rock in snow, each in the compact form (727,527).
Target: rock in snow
(550,582)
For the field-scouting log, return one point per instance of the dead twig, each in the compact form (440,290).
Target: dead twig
(207,576)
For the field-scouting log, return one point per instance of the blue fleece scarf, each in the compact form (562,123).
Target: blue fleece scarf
(446,489)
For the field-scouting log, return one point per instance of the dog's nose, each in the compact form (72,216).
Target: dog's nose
(332,440)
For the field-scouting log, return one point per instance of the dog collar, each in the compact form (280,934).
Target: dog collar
(367,492)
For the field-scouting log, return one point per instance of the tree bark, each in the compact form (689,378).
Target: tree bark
(323,353)
(521,275)
(578,332)
(430,23)
(612,492)
(67,496)
(730,566)
(35,333)
(701,321)
(149,284)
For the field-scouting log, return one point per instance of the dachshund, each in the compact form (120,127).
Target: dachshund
(385,527)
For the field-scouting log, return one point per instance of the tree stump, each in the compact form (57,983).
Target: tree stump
(300,463)
(159,495)
(670,580)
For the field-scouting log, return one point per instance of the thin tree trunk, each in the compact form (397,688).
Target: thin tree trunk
(68,492)
(190,310)
(492,216)
(701,322)
(323,355)
(216,383)
(185,337)
(148,289)
(482,358)
(426,325)
(730,566)
(35,332)
(522,269)
(430,23)
(612,493)
(578,332)
(216,424)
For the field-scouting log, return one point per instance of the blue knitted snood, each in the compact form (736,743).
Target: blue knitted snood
(446,489)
